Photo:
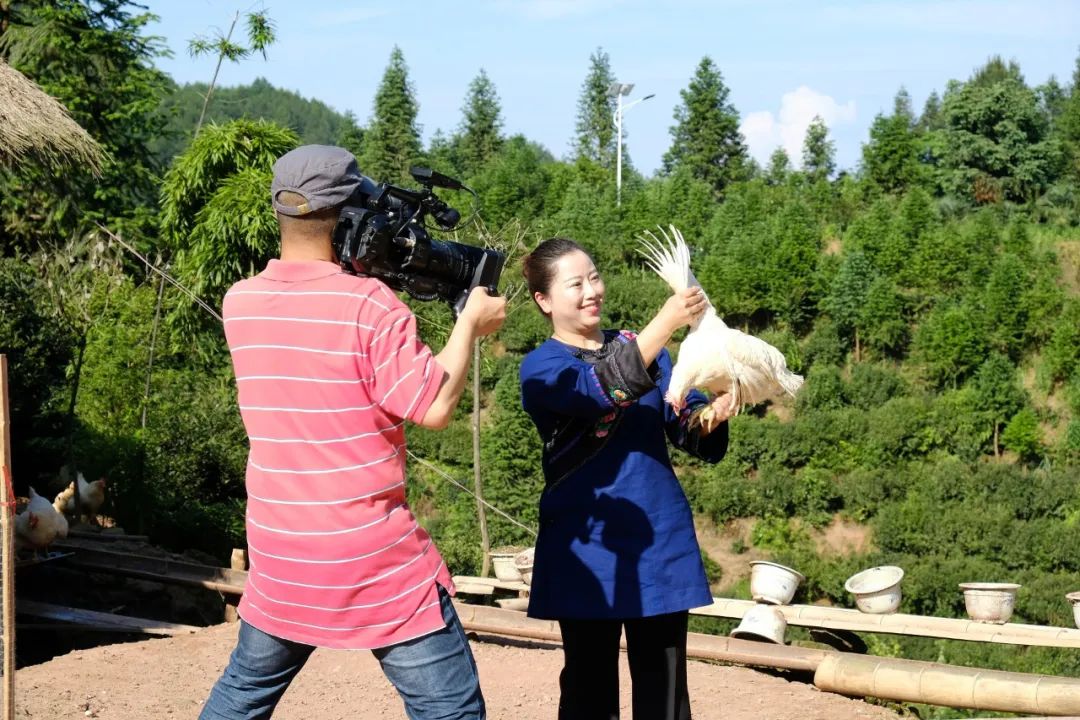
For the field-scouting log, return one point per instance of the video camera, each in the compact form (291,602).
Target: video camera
(381,233)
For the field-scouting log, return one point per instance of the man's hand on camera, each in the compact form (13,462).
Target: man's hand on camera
(484,311)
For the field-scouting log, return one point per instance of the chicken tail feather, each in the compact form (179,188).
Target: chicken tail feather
(791,382)
(669,258)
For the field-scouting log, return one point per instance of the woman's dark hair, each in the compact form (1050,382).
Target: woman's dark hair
(538,267)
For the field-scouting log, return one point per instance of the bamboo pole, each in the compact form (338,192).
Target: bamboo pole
(238,561)
(902,624)
(497,621)
(842,672)
(485,542)
(7,553)
(213,80)
(948,685)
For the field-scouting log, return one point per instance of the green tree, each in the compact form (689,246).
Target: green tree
(260,30)
(1023,436)
(349,136)
(442,154)
(1003,301)
(1062,354)
(216,215)
(1068,124)
(884,327)
(38,344)
(587,213)
(819,152)
(510,456)
(78,280)
(760,252)
(874,233)
(949,344)
(595,140)
(997,395)
(847,296)
(995,144)
(917,215)
(679,199)
(96,60)
(392,139)
(514,183)
(481,128)
(890,159)
(931,118)
(1052,99)
(706,138)
(779,168)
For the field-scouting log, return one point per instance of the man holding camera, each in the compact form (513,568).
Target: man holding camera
(328,368)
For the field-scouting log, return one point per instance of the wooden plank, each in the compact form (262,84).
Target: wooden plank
(105,536)
(495,583)
(101,620)
(7,546)
(902,624)
(50,557)
(159,569)
(474,588)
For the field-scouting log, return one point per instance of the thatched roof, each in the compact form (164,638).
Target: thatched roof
(34,124)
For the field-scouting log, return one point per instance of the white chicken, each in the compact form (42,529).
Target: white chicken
(713,356)
(39,525)
(91,497)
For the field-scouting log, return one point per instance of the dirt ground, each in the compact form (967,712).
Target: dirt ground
(170,678)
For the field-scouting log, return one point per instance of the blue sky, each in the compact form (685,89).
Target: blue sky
(783,61)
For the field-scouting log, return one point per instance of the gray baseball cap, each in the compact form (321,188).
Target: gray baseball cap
(324,175)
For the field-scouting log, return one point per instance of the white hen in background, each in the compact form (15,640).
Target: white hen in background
(91,497)
(40,524)
(713,356)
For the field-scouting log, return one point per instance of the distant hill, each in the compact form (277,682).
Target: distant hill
(314,121)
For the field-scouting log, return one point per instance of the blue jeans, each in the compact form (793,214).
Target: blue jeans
(435,674)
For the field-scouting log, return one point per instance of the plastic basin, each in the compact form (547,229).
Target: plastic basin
(877,589)
(1074,598)
(765,623)
(773,583)
(503,565)
(989,602)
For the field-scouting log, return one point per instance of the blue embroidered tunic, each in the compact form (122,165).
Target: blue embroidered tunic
(616,537)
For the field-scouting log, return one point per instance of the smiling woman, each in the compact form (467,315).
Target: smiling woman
(615,526)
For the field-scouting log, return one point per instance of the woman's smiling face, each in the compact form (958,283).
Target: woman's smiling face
(576,295)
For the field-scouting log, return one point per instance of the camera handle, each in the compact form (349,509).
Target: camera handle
(486,274)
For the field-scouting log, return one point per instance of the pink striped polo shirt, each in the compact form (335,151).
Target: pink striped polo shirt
(328,367)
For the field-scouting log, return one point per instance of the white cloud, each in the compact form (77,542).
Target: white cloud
(764,131)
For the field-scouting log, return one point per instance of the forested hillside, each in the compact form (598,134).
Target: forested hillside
(931,296)
(312,120)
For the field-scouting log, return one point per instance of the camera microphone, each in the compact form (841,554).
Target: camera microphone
(430,178)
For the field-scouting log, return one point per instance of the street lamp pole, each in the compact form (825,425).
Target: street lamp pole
(619,90)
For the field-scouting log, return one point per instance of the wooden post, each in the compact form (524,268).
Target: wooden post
(480,510)
(7,551)
(238,561)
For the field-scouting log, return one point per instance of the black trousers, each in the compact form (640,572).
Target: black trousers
(656,650)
